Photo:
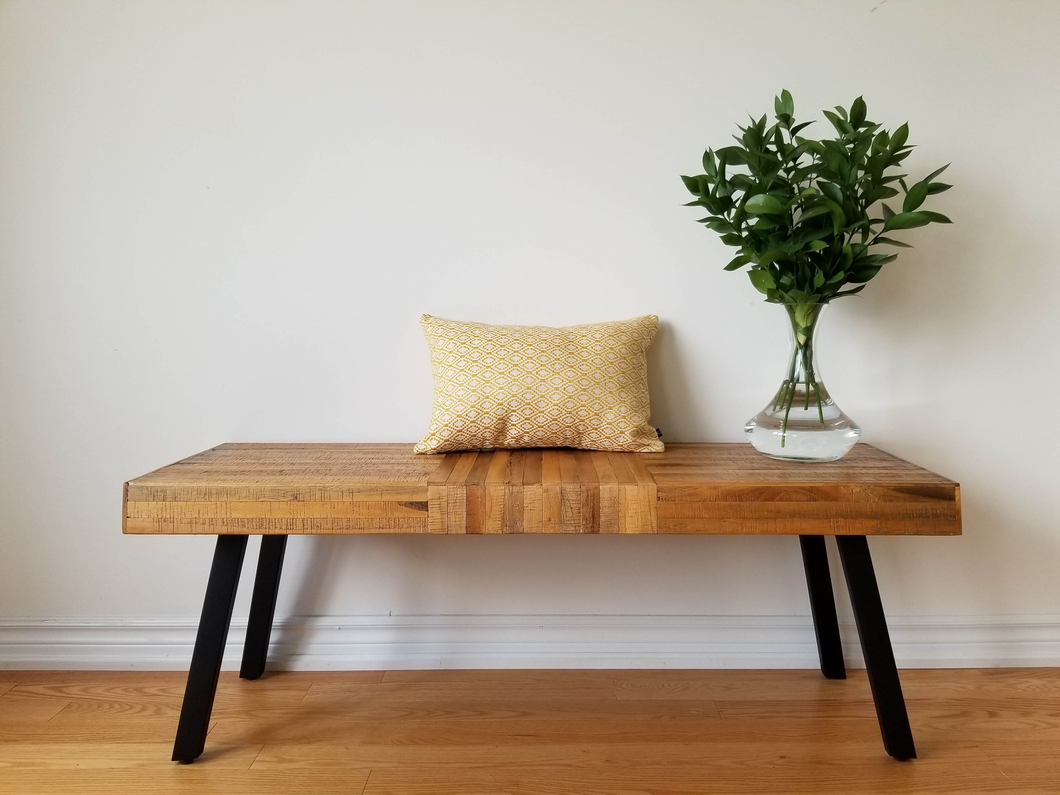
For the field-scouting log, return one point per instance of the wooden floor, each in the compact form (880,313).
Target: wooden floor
(557,732)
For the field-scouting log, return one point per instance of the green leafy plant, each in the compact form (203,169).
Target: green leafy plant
(809,216)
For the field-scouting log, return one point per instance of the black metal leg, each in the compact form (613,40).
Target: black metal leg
(263,606)
(209,648)
(876,645)
(822,606)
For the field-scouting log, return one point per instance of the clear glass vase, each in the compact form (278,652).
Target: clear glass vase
(801,422)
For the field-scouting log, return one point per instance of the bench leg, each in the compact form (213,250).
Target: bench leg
(876,645)
(209,648)
(822,606)
(263,606)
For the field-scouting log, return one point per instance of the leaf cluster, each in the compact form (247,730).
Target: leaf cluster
(808,215)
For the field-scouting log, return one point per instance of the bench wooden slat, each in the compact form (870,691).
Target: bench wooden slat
(385,488)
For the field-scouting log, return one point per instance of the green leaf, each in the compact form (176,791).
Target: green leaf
(770,256)
(720,225)
(937,187)
(848,256)
(709,164)
(935,173)
(763,203)
(874,259)
(762,280)
(813,212)
(806,311)
(898,138)
(711,204)
(737,262)
(842,126)
(907,221)
(833,192)
(811,234)
(692,183)
(880,192)
(891,242)
(898,157)
(936,218)
(888,213)
(855,291)
(788,102)
(735,240)
(839,219)
(862,275)
(857,112)
(817,245)
(914,197)
(818,280)
(734,155)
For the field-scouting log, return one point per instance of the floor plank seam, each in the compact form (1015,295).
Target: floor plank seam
(366,780)
(1003,773)
(66,706)
(453,733)
(255,759)
(996,763)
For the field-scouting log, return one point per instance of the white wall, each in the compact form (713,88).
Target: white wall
(221,220)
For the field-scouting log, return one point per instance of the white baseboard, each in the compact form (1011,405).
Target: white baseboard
(409,642)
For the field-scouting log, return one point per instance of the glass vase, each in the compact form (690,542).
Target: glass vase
(802,422)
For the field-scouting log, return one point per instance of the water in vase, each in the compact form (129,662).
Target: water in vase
(802,422)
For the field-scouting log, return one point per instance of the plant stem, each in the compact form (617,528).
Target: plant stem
(788,385)
(787,411)
(778,398)
(807,373)
(816,387)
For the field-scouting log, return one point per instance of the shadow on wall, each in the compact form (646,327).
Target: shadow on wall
(674,401)
(941,328)
(330,560)
(918,333)
(937,306)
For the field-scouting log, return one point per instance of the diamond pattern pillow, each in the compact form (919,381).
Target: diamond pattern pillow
(537,386)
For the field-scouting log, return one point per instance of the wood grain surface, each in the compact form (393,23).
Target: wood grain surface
(590,732)
(385,488)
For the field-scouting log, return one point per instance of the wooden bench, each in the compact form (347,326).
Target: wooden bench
(277,490)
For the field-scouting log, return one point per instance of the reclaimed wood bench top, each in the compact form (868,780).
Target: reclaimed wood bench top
(299,489)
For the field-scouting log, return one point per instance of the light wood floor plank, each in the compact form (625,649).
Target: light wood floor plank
(72,728)
(22,707)
(522,732)
(714,776)
(185,780)
(503,733)
(325,692)
(15,756)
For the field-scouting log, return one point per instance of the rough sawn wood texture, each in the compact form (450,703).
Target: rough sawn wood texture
(385,488)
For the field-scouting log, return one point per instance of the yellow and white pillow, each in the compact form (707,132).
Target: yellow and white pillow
(537,386)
